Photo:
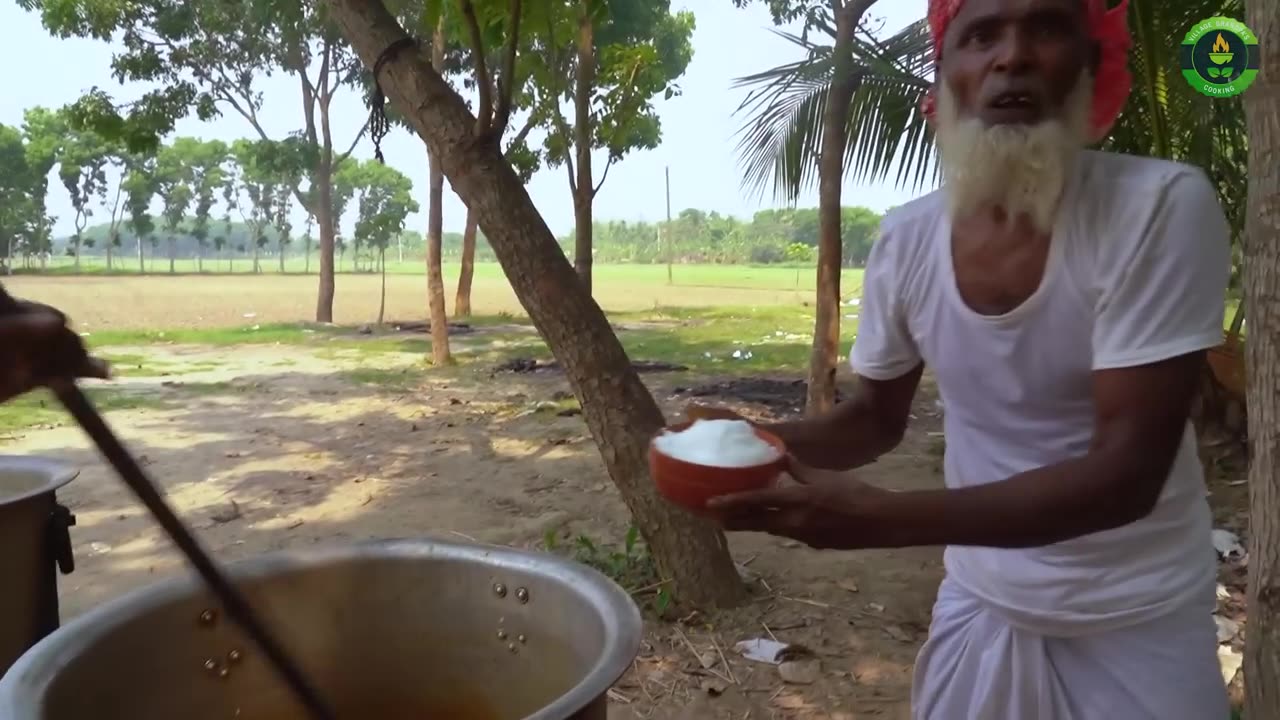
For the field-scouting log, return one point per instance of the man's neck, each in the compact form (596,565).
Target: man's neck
(991,216)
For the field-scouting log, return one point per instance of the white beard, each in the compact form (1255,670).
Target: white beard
(1021,169)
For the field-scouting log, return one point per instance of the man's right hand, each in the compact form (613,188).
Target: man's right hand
(37,347)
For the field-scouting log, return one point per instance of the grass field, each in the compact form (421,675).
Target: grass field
(790,276)
(100,302)
(713,318)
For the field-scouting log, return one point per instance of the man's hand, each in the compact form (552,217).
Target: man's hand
(37,348)
(822,509)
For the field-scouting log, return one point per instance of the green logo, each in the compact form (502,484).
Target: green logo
(1220,57)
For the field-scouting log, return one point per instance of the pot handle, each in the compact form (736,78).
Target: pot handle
(60,523)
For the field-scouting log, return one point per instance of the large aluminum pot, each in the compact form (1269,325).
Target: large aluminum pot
(35,540)
(389,630)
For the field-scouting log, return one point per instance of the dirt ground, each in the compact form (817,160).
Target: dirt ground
(290,451)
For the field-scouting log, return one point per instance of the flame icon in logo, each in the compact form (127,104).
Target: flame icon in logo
(1219,57)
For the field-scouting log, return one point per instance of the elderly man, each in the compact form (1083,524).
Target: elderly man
(1064,299)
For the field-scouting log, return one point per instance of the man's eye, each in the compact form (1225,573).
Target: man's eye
(982,36)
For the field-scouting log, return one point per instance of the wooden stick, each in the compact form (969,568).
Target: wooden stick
(232,600)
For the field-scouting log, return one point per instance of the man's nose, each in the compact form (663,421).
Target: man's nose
(1015,53)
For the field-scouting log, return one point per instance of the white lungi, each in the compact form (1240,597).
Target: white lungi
(977,666)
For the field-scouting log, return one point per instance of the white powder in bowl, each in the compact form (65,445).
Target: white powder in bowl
(717,443)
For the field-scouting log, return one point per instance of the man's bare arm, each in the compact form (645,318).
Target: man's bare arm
(1141,417)
(858,430)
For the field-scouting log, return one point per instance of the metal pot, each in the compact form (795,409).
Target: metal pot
(35,537)
(389,630)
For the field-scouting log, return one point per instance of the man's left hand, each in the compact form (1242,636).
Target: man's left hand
(822,509)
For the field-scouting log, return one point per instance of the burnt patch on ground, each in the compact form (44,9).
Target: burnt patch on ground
(532,365)
(779,396)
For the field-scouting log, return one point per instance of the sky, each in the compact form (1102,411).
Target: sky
(699,126)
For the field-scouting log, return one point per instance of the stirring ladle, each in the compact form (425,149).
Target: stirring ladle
(233,602)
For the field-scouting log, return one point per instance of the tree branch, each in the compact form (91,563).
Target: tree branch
(524,132)
(327,87)
(557,117)
(247,110)
(603,176)
(507,80)
(562,126)
(484,86)
(354,142)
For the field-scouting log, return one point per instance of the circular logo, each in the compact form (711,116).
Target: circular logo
(1220,57)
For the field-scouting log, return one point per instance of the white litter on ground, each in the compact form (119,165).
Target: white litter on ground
(1227,544)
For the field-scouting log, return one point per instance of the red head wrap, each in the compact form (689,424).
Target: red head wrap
(1109,28)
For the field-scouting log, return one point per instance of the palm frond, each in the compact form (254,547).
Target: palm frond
(779,144)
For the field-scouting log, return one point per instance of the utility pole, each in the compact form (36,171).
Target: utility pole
(670,250)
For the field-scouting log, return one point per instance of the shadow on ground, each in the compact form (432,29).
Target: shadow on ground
(285,460)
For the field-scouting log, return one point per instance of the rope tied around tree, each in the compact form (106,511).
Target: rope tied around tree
(379,125)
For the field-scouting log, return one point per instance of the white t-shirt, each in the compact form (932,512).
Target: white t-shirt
(1138,267)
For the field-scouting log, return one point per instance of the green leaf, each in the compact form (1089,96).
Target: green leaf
(633,535)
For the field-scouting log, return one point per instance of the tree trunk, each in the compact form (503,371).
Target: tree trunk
(142,264)
(257,251)
(108,256)
(584,187)
(78,242)
(281,259)
(173,249)
(325,221)
(200,259)
(616,406)
(826,330)
(466,269)
(1262,290)
(382,299)
(440,355)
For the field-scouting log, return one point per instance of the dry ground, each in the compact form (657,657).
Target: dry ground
(279,449)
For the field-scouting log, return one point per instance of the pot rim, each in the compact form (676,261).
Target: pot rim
(23,687)
(55,474)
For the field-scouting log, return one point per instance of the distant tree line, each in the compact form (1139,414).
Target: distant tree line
(786,236)
(191,198)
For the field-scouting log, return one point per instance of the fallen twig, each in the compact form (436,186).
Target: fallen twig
(805,601)
(724,660)
(697,656)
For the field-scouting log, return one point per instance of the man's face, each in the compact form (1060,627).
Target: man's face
(1015,62)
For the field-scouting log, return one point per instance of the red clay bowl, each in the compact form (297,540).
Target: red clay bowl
(691,485)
